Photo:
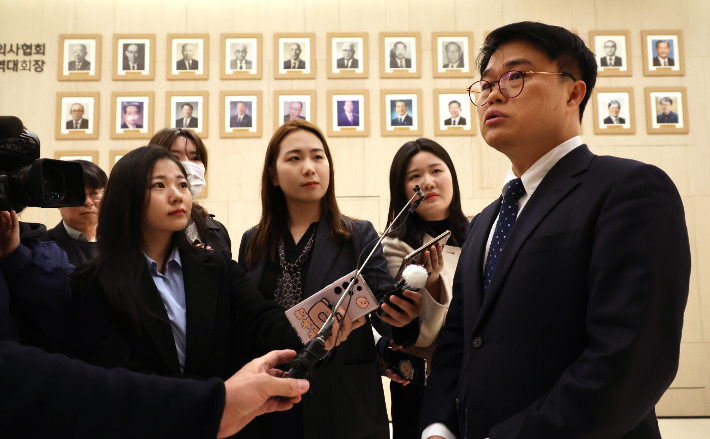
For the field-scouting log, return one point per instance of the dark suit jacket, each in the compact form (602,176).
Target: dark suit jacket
(83,124)
(287,118)
(395,65)
(86,65)
(234,121)
(301,65)
(344,122)
(671,117)
(192,124)
(233,64)
(125,126)
(340,63)
(42,393)
(346,399)
(77,251)
(228,323)
(609,121)
(458,65)
(140,65)
(657,61)
(578,334)
(605,63)
(182,65)
(462,121)
(407,121)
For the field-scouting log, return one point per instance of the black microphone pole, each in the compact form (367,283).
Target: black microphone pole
(303,365)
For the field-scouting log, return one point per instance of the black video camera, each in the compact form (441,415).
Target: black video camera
(27,180)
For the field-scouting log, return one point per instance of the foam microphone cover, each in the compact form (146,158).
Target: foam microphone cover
(415,276)
(10,126)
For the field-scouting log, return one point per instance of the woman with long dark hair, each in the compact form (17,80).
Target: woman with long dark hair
(189,148)
(153,302)
(425,163)
(302,244)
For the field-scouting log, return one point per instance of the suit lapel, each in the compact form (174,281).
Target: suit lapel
(157,326)
(473,274)
(323,255)
(201,277)
(558,182)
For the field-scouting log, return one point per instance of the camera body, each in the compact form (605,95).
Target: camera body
(27,180)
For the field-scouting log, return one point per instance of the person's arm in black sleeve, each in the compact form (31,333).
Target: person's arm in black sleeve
(638,288)
(50,395)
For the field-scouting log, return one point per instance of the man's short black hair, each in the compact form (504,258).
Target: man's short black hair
(662,41)
(125,105)
(455,102)
(94,177)
(564,47)
(614,102)
(187,104)
(666,99)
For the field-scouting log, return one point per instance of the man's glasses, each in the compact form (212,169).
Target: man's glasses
(510,84)
(95,195)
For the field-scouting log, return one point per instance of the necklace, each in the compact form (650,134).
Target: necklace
(299,234)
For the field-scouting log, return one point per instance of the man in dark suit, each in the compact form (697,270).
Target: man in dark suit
(187,62)
(610,60)
(397,57)
(240,62)
(80,63)
(402,119)
(454,55)
(668,115)
(132,114)
(348,118)
(187,121)
(568,299)
(348,61)
(133,59)
(455,112)
(241,119)
(613,117)
(663,49)
(294,111)
(295,63)
(77,122)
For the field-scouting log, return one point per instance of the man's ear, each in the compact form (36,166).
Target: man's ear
(576,94)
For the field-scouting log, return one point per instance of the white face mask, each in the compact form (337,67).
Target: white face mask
(195,177)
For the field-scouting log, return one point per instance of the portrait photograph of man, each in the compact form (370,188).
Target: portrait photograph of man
(400,112)
(294,110)
(609,58)
(400,55)
(666,115)
(292,56)
(188,112)
(612,51)
(398,58)
(667,110)
(79,57)
(348,59)
(455,112)
(347,55)
(76,120)
(131,115)
(133,57)
(291,106)
(77,116)
(663,53)
(241,112)
(452,113)
(79,61)
(613,109)
(348,113)
(189,57)
(453,55)
(241,56)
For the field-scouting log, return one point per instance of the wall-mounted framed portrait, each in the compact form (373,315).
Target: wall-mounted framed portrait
(132,114)
(663,53)
(187,109)
(667,110)
(454,114)
(400,55)
(294,104)
(347,55)
(114,156)
(613,52)
(614,110)
(188,56)
(348,113)
(79,57)
(453,54)
(77,116)
(295,56)
(401,112)
(90,156)
(241,56)
(240,114)
(133,57)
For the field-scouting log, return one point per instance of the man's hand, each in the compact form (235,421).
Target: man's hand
(348,327)
(9,233)
(251,391)
(410,310)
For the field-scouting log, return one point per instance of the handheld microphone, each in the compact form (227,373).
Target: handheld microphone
(413,278)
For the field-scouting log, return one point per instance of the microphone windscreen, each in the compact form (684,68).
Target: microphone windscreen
(415,276)
(10,126)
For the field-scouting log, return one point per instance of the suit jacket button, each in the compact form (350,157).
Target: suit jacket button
(477,342)
(457,403)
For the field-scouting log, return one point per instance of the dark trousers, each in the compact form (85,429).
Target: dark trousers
(406,407)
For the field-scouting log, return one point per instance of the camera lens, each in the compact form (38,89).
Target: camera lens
(53,186)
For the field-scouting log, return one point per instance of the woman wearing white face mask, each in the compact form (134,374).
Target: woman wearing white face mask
(192,153)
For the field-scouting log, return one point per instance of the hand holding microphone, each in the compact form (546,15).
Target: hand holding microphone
(404,301)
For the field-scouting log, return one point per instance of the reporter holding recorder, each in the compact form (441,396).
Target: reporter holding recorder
(303,236)
(425,163)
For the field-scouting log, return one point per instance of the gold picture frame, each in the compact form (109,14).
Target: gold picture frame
(359,65)
(654,110)
(413,108)
(305,68)
(198,100)
(465,67)
(145,57)
(341,126)
(253,104)
(623,62)
(283,100)
(176,66)
(90,68)
(114,156)
(675,57)
(465,123)
(143,128)
(77,154)
(603,99)
(63,126)
(253,62)
(389,41)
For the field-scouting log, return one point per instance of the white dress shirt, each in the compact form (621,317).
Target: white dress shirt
(531,180)
(75,234)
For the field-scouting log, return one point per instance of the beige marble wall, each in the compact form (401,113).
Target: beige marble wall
(362,164)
